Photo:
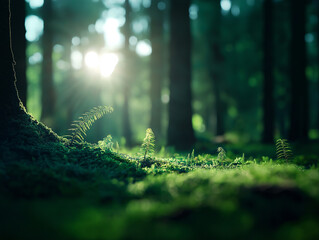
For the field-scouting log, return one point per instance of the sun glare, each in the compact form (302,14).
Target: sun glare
(108,63)
(92,60)
(104,63)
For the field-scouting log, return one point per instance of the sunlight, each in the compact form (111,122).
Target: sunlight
(105,63)
(35,3)
(34,28)
(225,5)
(112,35)
(92,60)
(143,48)
(76,59)
(108,63)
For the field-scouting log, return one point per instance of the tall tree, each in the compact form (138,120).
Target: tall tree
(9,101)
(19,46)
(299,117)
(180,130)
(317,7)
(157,66)
(48,98)
(268,83)
(13,119)
(216,66)
(127,131)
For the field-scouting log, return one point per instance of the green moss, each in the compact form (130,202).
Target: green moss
(55,191)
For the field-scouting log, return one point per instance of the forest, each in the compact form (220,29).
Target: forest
(159,119)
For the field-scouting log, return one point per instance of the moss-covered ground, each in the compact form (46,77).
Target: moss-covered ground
(49,190)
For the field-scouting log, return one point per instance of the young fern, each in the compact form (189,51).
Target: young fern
(148,143)
(221,154)
(84,123)
(283,150)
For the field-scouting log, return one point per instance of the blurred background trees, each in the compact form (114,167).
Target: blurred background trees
(208,71)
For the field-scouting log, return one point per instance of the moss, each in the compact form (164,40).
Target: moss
(55,191)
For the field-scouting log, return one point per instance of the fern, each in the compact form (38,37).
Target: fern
(148,145)
(84,123)
(283,150)
(106,143)
(221,154)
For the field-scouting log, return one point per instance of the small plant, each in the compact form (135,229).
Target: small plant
(221,154)
(283,150)
(106,144)
(84,123)
(148,145)
(117,147)
(191,156)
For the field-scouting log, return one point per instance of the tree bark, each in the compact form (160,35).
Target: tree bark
(9,101)
(299,117)
(317,122)
(268,83)
(48,98)
(127,131)
(16,126)
(19,46)
(180,129)
(157,67)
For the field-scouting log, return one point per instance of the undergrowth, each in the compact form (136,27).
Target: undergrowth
(95,191)
(83,124)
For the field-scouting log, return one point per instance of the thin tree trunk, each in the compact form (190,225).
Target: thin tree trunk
(216,67)
(299,85)
(180,129)
(127,131)
(268,83)
(69,82)
(48,98)
(19,46)
(157,68)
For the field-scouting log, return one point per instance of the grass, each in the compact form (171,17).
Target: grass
(50,190)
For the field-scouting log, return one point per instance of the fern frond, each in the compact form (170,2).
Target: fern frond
(84,123)
(221,154)
(283,150)
(148,145)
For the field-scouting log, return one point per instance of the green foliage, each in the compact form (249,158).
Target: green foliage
(283,150)
(191,157)
(221,154)
(117,147)
(84,123)
(148,145)
(106,143)
(105,195)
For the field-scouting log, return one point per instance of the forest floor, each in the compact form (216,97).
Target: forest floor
(50,190)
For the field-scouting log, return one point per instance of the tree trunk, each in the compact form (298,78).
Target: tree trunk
(69,80)
(268,83)
(180,129)
(19,46)
(299,117)
(9,101)
(157,68)
(15,124)
(217,67)
(48,91)
(317,6)
(127,131)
